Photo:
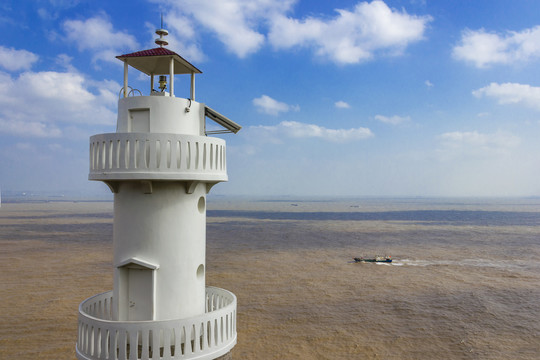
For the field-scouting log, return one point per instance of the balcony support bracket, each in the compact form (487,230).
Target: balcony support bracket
(146,186)
(113,185)
(209,186)
(190,186)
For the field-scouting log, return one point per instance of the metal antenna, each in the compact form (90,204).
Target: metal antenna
(161,32)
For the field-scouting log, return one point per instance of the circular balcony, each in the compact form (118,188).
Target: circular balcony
(207,336)
(157,156)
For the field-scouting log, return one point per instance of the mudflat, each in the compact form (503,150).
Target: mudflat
(464,283)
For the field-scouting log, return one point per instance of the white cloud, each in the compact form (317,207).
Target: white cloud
(232,22)
(29,128)
(394,120)
(15,60)
(265,104)
(55,7)
(50,85)
(512,93)
(97,35)
(236,23)
(429,84)
(41,104)
(473,142)
(244,26)
(482,48)
(342,105)
(351,36)
(46,15)
(64,61)
(294,129)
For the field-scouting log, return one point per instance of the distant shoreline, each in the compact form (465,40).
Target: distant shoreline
(12,197)
(40,201)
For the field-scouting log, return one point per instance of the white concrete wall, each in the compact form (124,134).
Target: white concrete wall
(166,228)
(158,163)
(166,115)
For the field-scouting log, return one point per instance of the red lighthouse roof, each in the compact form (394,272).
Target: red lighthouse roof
(157,62)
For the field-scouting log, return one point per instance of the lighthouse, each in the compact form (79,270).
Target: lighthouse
(160,164)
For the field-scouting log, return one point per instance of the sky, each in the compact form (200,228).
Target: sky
(335,97)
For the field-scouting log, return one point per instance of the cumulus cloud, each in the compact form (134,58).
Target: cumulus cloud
(475,142)
(351,36)
(245,26)
(29,128)
(512,93)
(294,129)
(64,61)
(98,36)
(394,120)
(342,105)
(265,104)
(236,23)
(41,104)
(482,48)
(15,60)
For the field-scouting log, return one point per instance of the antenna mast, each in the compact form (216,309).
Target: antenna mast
(162,32)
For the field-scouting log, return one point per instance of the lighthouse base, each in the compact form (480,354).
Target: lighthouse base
(207,336)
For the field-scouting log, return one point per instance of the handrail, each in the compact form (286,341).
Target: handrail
(122,90)
(206,336)
(131,91)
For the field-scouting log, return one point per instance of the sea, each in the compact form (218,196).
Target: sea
(464,282)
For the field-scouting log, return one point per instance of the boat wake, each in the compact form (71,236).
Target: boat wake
(484,263)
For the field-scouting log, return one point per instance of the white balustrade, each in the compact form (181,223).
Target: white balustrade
(206,336)
(123,156)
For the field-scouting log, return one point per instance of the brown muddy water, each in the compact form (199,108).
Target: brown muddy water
(464,284)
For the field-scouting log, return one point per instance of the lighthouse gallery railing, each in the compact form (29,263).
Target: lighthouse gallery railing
(207,336)
(157,156)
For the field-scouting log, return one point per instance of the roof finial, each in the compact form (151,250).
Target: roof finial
(162,32)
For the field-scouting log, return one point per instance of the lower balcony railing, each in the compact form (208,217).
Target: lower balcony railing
(206,336)
(149,156)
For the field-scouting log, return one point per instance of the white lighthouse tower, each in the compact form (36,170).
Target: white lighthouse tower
(160,164)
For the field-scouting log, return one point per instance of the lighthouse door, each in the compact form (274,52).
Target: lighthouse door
(135,286)
(139,120)
(140,294)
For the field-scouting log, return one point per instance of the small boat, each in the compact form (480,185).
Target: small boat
(383,259)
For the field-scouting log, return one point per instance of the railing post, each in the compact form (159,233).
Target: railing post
(125,78)
(171,77)
(212,331)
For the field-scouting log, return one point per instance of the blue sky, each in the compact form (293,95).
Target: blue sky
(360,98)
